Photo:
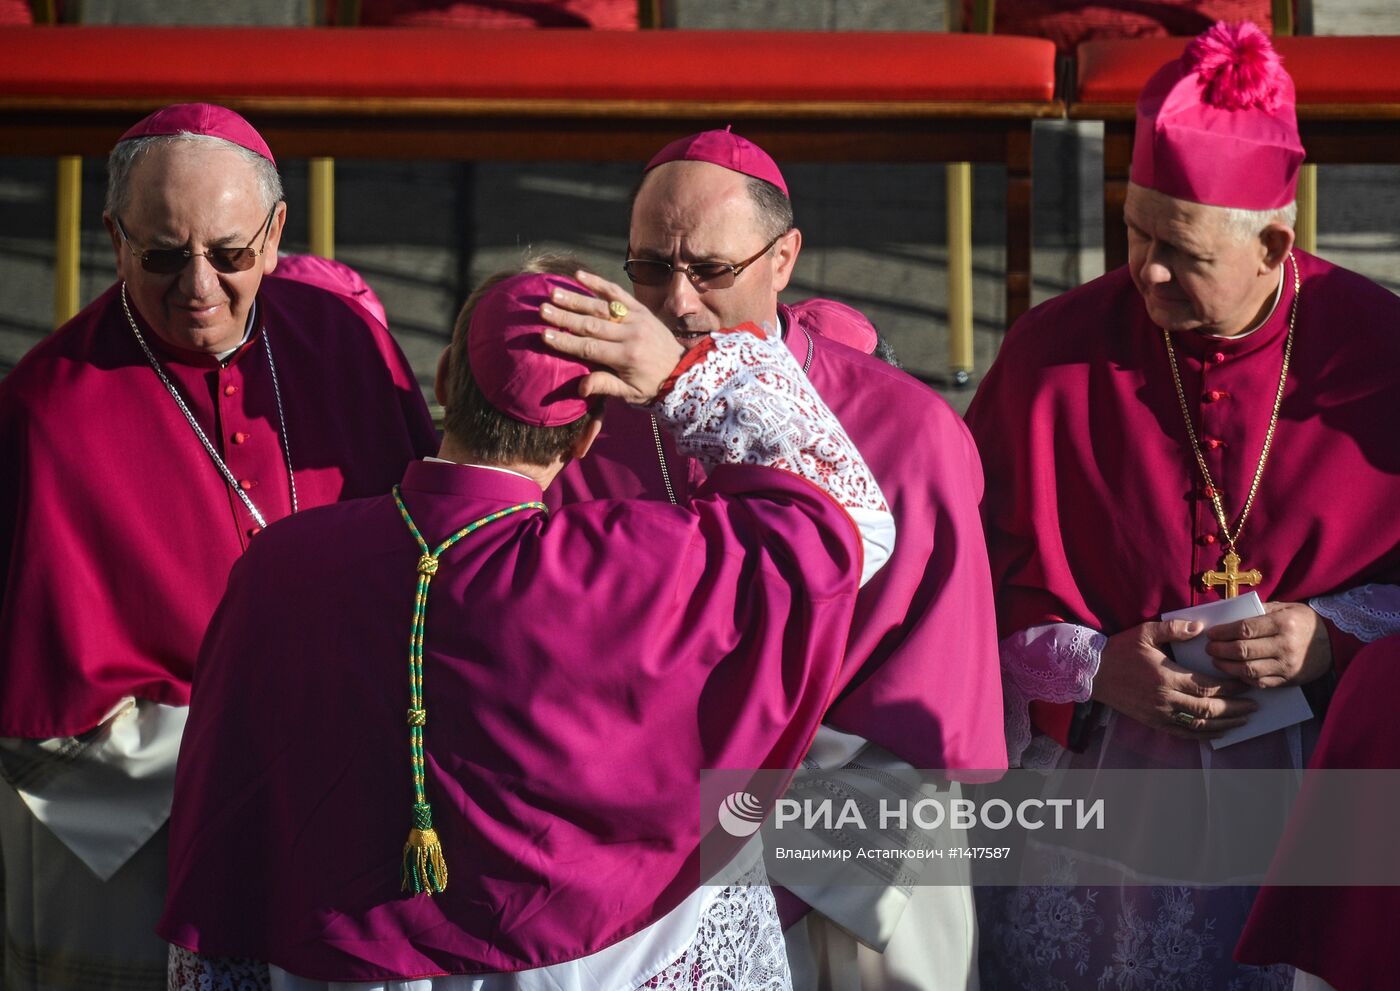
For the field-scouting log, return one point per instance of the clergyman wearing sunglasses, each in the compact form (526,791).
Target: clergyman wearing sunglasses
(146,444)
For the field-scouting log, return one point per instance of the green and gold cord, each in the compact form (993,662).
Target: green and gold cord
(424,869)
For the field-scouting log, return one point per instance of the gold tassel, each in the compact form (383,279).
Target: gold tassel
(424,869)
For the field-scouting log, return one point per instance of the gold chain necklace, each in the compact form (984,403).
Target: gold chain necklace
(1230,576)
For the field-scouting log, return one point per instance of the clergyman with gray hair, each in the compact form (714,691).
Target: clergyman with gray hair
(145,444)
(1211,422)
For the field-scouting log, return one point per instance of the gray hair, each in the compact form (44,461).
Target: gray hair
(1247,225)
(124,156)
(771,206)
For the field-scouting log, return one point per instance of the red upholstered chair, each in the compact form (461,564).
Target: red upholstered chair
(1071,23)
(16,12)
(608,15)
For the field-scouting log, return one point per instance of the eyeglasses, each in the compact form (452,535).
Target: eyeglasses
(168,261)
(702,275)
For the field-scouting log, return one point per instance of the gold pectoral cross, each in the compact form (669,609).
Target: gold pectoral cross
(1231,577)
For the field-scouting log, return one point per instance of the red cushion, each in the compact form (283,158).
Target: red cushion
(1326,71)
(349,64)
(1070,23)
(607,15)
(15,12)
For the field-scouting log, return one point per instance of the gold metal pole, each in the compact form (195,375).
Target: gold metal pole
(321,206)
(1307,209)
(960,270)
(67,238)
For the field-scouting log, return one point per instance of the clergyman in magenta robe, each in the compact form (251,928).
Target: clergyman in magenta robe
(923,687)
(118,530)
(580,667)
(1100,519)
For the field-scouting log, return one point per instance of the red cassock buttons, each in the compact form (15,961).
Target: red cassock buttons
(1215,395)
(246,484)
(1218,357)
(1214,442)
(254,531)
(240,437)
(230,389)
(1206,539)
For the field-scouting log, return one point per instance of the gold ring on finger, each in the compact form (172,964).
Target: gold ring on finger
(1184,718)
(617,312)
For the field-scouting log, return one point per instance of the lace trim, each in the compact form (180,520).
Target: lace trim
(1367,612)
(747,402)
(189,971)
(738,944)
(1054,663)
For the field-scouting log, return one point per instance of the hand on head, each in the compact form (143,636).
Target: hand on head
(635,350)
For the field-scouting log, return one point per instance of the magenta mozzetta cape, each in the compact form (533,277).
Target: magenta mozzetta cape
(581,668)
(116,530)
(1095,509)
(923,679)
(1343,934)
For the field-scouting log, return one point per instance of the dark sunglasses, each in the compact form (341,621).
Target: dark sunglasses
(702,275)
(168,261)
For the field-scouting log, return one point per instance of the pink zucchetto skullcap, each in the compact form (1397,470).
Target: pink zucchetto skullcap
(202,118)
(725,149)
(1218,125)
(515,370)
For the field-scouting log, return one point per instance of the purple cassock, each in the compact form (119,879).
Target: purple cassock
(581,667)
(1096,512)
(1341,934)
(1097,517)
(117,532)
(923,677)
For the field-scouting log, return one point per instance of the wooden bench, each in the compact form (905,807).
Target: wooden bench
(550,95)
(1348,105)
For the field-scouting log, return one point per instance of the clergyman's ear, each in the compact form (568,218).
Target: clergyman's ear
(1278,242)
(441,389)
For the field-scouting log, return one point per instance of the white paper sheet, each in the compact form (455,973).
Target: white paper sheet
(1278,707)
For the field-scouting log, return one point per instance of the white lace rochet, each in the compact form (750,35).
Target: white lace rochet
(1052,663)
(1367,612)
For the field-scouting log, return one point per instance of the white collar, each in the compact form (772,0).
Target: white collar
(247,333)
(468,464)
(1278,295)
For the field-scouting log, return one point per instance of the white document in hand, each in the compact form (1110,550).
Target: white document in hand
(1278,707)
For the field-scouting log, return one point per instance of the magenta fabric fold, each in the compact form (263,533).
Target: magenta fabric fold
(1095,508)
(581,667)
(116,530)
(923,680)
(1341,934)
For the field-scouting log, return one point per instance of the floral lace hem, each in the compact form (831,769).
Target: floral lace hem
(738,946)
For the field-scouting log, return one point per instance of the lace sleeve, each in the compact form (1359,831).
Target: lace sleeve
(1367,612)
(739,398)
(1053,663)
